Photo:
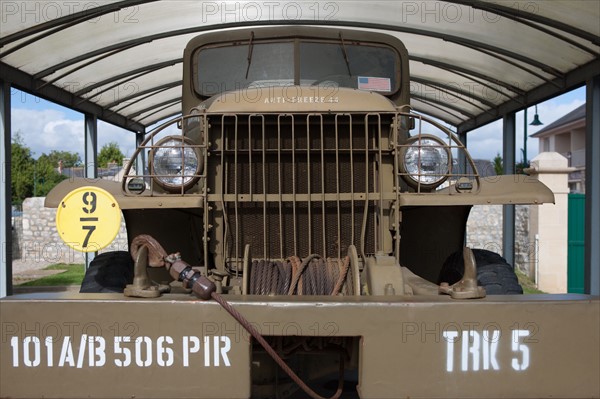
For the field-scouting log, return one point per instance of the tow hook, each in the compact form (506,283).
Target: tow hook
(146,252)
(467,287)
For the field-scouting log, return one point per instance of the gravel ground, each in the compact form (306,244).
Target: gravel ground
(20,266)
(28,270)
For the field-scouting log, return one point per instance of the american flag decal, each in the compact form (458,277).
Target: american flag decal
(375,84)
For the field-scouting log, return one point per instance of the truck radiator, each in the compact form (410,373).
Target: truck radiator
(296,184)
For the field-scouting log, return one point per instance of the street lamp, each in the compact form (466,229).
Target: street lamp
(536,119)
(536,122)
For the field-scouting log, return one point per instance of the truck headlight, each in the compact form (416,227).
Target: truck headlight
(425,161)
(176,164)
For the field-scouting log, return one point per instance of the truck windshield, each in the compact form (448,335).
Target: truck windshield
(234,67)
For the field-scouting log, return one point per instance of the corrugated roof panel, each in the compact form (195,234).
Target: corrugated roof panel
(456,55)
(454,22)
(18,16)
(450,116)
(136,105)
(134,61)
(580,14)
(506,49)
(158,115)
(131,86)
(483,91)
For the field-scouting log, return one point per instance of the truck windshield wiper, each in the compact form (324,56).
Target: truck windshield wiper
(345,54)
(250,48)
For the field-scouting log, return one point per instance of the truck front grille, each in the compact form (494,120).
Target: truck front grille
(296,184)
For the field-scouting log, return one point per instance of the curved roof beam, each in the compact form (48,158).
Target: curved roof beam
(552,33)
(522,17)
(138,72)
(151,91)
(521,67)
(156,92)
(110,87)
(445,104)
(26,82)
(454,92)
(553,28)
(510,13)
(79,67)
(162,118)
(156,112)
(167,102)
(469,73)
(574,78)
(458,91)
(69,20)
(441,109)
(40,36)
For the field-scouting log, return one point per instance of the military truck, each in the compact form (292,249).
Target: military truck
(298,231)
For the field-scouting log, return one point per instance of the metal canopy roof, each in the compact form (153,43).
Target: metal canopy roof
(471,61)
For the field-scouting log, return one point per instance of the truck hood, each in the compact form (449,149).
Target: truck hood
(298,99)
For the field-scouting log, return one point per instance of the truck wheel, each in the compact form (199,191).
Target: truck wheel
(493,272)
(108,272)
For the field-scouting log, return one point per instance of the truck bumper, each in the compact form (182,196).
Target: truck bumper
(102,345)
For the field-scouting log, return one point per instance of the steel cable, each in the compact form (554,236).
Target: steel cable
(311,276)
(236,315)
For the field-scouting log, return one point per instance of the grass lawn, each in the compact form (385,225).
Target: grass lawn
(72,275)
(529,286)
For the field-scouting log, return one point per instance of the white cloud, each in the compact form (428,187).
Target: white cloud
(49,129)
(124,138)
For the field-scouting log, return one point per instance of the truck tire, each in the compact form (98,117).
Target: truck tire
(108,272)
(493,272)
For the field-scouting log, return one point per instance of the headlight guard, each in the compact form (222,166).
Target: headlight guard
(425,161)
(175,163)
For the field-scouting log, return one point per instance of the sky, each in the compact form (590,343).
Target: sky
(45,126)
(486,142)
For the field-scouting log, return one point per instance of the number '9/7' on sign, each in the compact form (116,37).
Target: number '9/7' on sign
(88,219)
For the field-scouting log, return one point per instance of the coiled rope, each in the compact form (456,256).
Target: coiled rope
(311,276)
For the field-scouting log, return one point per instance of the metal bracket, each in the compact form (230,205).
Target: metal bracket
(383,276)
(142,286)
(467,287)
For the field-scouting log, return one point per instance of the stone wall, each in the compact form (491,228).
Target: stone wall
(17,236)
(524,240)
(38,240)
(484,230)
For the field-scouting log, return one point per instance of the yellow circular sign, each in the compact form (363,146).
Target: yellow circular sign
(88,219)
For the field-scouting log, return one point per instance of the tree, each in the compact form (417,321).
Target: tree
(521,166)
(498,165)
(35,178)
(46,176)
(110,152)
(21,169)
(69,159)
